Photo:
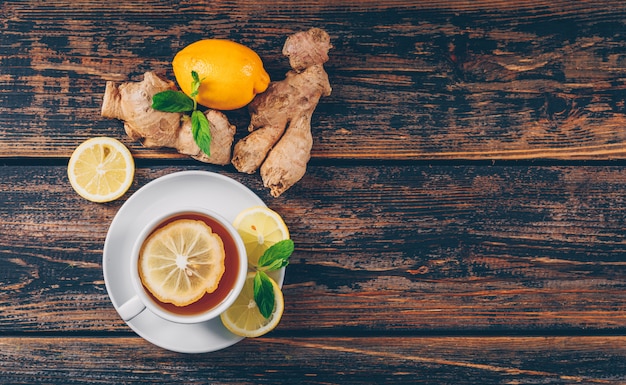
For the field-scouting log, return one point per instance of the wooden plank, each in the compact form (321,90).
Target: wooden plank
(405,360)
(379,248)
(411,80)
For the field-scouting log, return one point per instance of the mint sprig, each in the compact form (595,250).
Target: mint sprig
(177,101)
(274,258)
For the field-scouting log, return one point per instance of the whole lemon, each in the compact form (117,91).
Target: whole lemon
(230,73)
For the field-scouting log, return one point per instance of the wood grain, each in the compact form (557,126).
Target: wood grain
(406,360)
(379,248)
(411,80)
(461,221)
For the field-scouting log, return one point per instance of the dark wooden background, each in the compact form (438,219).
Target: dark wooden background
(461,221)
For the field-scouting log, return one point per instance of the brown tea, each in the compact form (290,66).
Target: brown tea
(226,283)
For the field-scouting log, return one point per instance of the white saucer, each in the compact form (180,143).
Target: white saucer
(182,189)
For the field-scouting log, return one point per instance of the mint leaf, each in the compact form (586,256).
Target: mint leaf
(201,131)
(195,84)
(277,255)
(177,101)
(172,101)
(264,294)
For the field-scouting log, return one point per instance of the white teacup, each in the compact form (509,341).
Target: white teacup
(231,284)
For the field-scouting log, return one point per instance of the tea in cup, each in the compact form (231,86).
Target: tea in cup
(187,266)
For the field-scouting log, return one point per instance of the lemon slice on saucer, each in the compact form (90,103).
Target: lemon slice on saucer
(182,261)
(101,169)
(244,318)
(259,228)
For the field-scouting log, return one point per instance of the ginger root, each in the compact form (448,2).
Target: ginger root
(132,103)
(286,107)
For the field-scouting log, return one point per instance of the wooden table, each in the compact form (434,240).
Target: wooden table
(461,220)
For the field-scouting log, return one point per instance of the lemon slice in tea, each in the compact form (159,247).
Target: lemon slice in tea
(182,261)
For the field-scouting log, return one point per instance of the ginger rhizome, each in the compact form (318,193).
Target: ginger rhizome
(131,102)
(280,137)
(280,140)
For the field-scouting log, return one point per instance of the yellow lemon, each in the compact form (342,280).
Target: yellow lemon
(230,74)
(259,227)
(244,318)
(101,169)
(182,261)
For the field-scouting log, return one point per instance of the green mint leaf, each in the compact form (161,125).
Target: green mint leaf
(201,131)
(172,101)
(264,294)
(275,265)
(277,255)
(195,84)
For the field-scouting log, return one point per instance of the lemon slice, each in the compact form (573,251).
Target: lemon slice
(259,228)
(101,169)
(182,261)
(243,317)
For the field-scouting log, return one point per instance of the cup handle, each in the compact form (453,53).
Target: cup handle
(131,308)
